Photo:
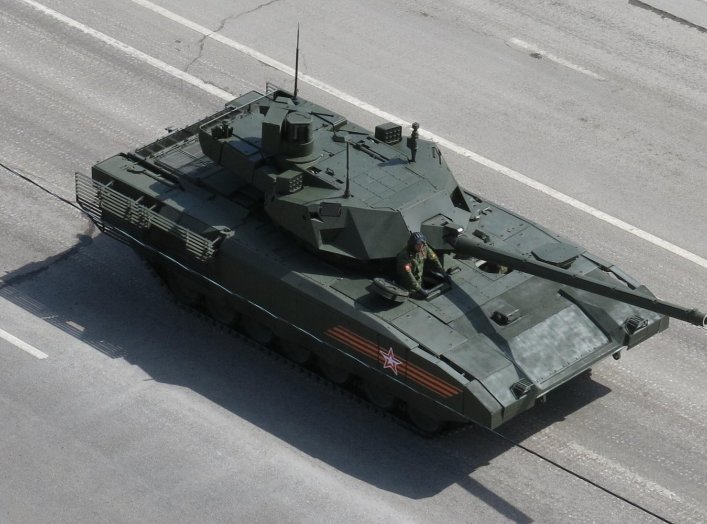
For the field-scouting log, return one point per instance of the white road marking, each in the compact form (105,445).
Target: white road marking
(24,346)
(131,51)
(626,476)
(75,326)
(503,170)
(554,58)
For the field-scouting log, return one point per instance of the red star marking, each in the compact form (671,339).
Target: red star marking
(390,361)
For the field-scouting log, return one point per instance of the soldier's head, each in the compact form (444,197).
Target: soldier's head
(416,241)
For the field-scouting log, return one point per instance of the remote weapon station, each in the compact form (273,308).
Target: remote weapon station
(282,217)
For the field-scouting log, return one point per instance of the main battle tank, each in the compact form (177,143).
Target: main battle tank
(281,216)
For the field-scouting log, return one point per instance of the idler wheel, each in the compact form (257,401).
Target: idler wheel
(184,289)
(221,310)
(295,352)
(379,396)
(426,422)
(336,374)
(257,331)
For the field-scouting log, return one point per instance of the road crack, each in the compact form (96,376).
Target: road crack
(221,26)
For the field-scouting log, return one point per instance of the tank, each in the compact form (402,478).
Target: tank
(283,218)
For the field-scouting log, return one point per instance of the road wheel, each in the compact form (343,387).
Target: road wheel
(295,352)
(221,310)
(336,374)
(257,331)
(379,396)
(184,289)
(426,422)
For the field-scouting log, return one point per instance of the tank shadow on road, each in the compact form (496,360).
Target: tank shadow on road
(120,310)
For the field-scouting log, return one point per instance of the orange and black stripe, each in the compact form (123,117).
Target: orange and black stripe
(430,381)
(405,368)
(354,341)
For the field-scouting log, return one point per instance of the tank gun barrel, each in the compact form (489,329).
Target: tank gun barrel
(471,246)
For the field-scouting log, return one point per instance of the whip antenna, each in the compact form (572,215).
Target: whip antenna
(347,192)
(296,64)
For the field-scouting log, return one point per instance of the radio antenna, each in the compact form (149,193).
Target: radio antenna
(294,98)
(347,192)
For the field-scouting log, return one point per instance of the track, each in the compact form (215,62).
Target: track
(352,391)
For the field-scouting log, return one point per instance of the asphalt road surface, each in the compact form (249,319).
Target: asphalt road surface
(117,406)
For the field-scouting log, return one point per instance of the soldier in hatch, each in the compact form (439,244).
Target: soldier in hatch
(412,262)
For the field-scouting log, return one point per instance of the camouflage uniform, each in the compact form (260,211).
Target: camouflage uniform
(411,264)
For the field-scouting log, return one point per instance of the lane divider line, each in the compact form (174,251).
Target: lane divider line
(460,150)
(553,58)
(24,346)
(130,51)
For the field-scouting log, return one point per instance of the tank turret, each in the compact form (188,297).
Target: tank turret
(334,185)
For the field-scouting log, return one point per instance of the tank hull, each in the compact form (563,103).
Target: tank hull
(444,357)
